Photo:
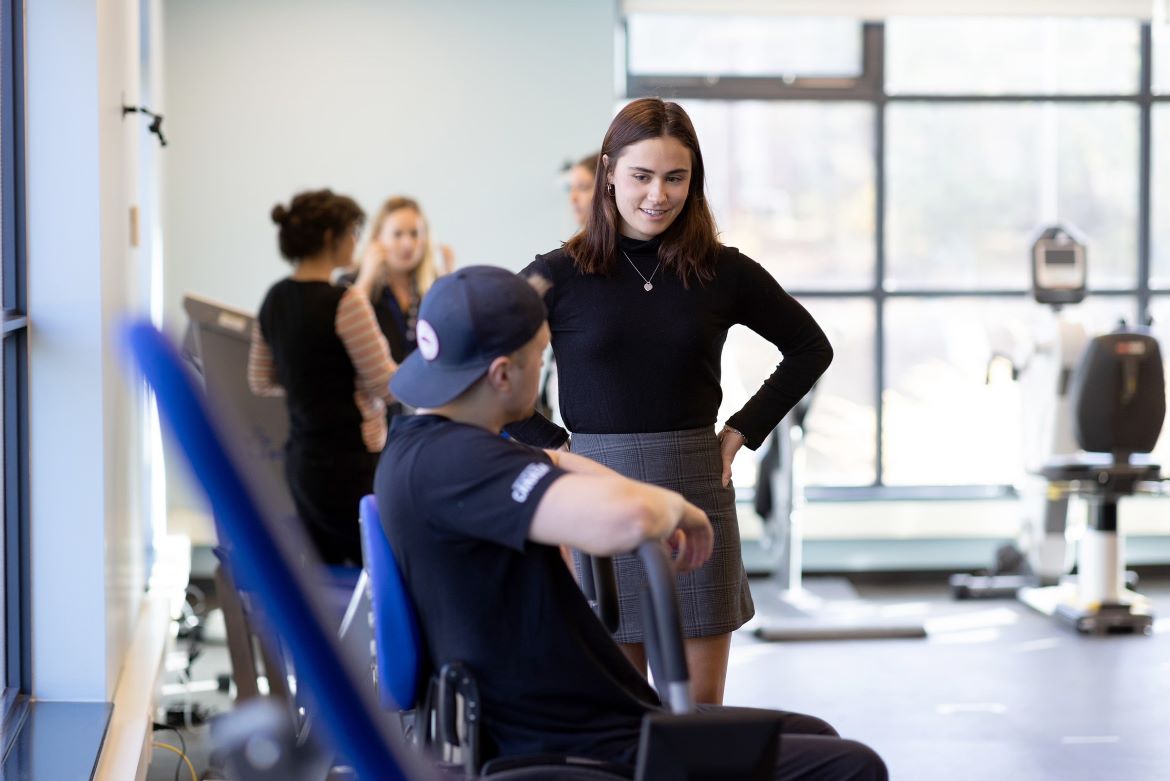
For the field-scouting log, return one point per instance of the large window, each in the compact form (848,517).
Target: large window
(1160,197)
(893,176)
(792,186)
(1160,308)
(1161,64)
(985,56)
(969,183)
(731,45)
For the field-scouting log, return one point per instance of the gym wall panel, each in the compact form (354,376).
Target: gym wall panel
(65,350)
(470,107)
(118,77)
(86,465)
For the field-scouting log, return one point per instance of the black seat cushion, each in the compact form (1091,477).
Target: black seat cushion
(1119,394)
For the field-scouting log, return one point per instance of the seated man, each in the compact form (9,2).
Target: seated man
(476,520)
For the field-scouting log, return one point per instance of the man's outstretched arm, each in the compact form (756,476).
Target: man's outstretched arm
(602,513)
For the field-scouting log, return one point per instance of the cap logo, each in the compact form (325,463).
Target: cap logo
(427,339)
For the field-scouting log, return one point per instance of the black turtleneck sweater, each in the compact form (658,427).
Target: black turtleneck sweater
(631,360)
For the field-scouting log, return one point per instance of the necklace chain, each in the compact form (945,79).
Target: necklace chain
(649,285)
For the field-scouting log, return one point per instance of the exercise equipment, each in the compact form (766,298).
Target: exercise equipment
(1118,397)
(261,743)
(281,566)
(599,584)
(1042,554)
(216,344)
(825,608)
(738,742)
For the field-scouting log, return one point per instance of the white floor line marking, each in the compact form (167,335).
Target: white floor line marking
(969,637)
(951,708)
(980,619)
(750,654)
(1043,644)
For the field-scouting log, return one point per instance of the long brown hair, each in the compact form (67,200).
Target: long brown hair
(690,244)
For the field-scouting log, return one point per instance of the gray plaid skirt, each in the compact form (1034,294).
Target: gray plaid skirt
(714,599)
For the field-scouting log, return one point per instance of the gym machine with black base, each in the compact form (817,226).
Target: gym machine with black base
(1118,396)
(1114,404)
(816,609)
(1042,556)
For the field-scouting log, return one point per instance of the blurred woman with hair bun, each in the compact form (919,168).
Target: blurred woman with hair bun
(319,346)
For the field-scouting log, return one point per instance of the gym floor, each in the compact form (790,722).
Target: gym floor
(996,691)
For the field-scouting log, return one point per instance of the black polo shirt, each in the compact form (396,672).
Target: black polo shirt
(457,502)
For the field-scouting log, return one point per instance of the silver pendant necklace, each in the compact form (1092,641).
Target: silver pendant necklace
(649,285)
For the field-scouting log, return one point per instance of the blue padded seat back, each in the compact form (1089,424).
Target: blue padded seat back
(348,717)
(396,635)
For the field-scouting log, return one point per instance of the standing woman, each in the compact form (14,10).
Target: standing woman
(319,345)
(640,305)
(401,249)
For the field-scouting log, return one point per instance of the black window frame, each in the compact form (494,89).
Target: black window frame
(870,87)
(18,683)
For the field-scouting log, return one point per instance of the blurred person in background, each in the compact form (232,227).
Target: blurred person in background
(319,345)
(404,256)
(579,181)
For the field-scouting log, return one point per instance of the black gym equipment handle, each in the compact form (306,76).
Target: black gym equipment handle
(599,583)
(455,679)
(663,628)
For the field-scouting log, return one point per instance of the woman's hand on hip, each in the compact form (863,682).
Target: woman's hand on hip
(730,441)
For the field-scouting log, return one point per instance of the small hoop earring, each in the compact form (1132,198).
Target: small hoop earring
(609,190)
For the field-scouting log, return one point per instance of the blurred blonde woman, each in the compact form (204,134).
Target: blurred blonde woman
(401,246)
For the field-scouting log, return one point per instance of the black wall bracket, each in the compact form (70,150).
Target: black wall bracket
(155,123)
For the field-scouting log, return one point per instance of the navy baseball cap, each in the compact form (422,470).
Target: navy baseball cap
(466,320)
